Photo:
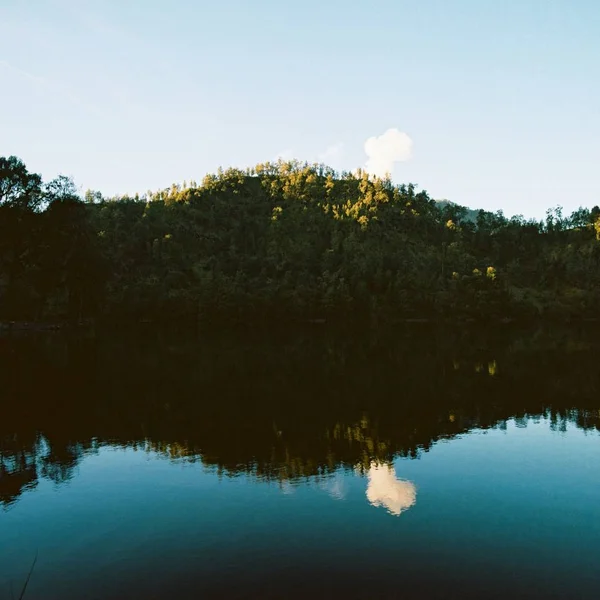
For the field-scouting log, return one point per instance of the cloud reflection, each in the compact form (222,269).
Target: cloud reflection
(335,487)
(385,489)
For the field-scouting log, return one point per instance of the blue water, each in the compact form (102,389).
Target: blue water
(503,512)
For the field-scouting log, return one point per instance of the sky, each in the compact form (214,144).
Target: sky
(491,104)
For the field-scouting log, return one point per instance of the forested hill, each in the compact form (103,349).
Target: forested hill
(280,243)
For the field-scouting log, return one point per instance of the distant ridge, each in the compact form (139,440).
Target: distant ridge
(470,215)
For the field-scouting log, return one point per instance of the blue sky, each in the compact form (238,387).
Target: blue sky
(499,99)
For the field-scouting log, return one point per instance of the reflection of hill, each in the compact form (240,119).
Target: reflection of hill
(279,409)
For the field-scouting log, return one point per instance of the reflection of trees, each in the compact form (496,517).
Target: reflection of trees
(24,463)
(58,465)
(279,409)
(17,473)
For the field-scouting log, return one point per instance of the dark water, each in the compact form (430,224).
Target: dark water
(423,463)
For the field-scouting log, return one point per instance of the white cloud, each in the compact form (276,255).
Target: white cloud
(287,154)
(391,147)
(332,155)
(385,489)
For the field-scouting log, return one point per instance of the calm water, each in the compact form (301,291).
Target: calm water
(424,463)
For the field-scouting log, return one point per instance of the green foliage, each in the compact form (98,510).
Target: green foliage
(284,241)
(18,187)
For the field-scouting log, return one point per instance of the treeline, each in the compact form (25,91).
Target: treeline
(284,242)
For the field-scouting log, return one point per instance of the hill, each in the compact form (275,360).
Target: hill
(283,242)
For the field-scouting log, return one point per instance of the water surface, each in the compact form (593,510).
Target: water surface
(426,464)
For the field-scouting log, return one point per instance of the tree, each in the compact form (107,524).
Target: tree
(18,187)
(60,189)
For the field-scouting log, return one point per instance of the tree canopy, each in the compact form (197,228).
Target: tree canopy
(282,242)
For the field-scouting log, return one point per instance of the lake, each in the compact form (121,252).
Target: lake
(419,462)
